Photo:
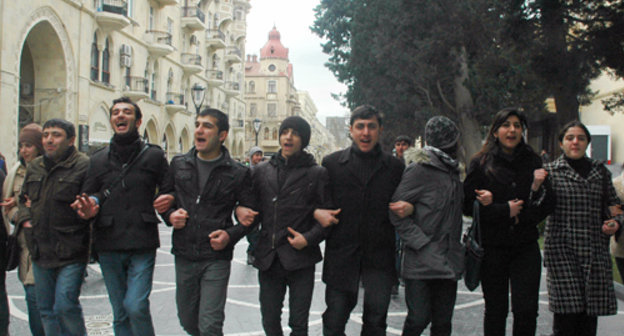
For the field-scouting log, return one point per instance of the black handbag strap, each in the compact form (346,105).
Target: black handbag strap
(124,171)
(475,228)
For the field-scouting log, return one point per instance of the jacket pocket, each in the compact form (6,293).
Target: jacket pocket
(72,241)
(149,218)
(67,189)
(32,186)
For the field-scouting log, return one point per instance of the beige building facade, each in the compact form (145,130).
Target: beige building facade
(71,58)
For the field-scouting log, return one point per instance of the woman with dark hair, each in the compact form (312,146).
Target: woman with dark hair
(576,248)
(503,177)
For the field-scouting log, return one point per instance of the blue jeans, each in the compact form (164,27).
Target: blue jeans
(58,290)
(201,291)
(429,301)
(34,318)
(128,277)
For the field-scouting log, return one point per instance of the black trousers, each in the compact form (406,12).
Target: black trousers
(518,268)
(273,283)
(575,325)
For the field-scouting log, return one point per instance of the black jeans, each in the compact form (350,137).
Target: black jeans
(520,267)
(273,283)
(574,325)
(619,262)
(377,292)
(429,301)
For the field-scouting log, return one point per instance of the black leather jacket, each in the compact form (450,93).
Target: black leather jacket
(229,184)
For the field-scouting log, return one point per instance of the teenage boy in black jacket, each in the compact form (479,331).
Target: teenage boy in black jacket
(289,188)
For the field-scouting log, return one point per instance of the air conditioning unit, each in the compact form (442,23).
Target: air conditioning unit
(126,61)
(126,50)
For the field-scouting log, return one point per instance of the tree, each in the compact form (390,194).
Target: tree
(414,59)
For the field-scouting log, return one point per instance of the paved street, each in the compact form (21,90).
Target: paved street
(242,310)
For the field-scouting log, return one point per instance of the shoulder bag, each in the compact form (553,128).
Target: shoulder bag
(474,251)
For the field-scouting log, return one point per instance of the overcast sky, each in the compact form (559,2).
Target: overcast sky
(293,19)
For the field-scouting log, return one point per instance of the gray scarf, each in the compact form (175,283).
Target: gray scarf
(445,158)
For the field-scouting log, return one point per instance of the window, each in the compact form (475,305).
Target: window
(95,59)
(274,133)
(130,4)
(252,109)
(272,67)
(272,87)
(128,79)
(272,110)
(170,81)
(106,63)
(151,18)
(154,93)
(266,133)
(252,86)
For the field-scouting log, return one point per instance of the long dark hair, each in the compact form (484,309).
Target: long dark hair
(491,145)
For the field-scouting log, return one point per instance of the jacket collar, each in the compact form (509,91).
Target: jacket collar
(346,155)
(562,165)
(189,157)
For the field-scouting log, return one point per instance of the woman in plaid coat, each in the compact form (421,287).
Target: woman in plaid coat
(576,250)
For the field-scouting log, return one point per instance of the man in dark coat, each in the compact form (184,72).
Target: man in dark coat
(126,226)
(361,247)
(289,188)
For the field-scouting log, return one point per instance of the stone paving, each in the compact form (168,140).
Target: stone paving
(242,309)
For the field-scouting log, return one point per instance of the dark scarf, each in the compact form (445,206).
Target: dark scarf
(582,166)
(299,159)
(125,146)
(365,163)
(50,163)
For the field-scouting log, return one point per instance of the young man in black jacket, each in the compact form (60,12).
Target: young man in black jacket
(361,247)
(289,188)
(126,227)
(209,184)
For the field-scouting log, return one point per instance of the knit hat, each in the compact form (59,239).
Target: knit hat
(32,134)
(254,150)
(300,125)
(441,132)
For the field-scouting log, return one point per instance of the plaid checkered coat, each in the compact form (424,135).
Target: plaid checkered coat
(576,252)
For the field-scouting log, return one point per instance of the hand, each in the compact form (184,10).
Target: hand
(402,208)
(610,227)
(297,241)
(163,203)
(484,197)
(326,217)
(85,206)
(515,207)
(219,239)
(28,202)
(615,210)
(539,175)
(245,215)
(27,225)
(178,218)
(8,203)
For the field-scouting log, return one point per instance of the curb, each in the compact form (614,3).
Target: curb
(619,290)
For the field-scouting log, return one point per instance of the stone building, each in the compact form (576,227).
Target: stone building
(271,96)
(71,58)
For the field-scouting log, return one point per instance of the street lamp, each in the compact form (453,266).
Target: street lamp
(198,96)
(256,123)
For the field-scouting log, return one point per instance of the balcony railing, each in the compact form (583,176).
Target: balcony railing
(137,84)
(191,59)
(160,37)
(214,74)
(232,86)
(215,34)
(234,51)
(114,6)
(174,98)
(194,11)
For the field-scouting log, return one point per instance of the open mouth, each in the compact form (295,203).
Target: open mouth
(288,146)
(200,140)
(122,125)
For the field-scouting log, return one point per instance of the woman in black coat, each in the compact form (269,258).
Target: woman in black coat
(501,177)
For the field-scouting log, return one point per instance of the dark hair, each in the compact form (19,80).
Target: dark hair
(499,119)
(403,138)
(574,123)
(365,112)
(124,99)
(63,124)
(222,119)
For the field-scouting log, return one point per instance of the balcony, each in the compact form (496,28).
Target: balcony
(158,43)
(111,15)
(215,77)
(136,88)
(175,102)
(191,63)
(233,55)
(215,38)
(232,89)
(163,3)
(193,18)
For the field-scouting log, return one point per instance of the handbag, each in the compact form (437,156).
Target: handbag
(474,251)
(13,250)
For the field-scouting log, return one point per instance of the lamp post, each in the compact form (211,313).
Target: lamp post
(256,123)
(199,94)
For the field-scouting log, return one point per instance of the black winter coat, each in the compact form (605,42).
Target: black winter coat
(127,220)
(364,238)
(291,204)
(512,179)
(229,184)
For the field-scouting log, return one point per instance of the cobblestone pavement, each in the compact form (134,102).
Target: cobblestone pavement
(242,309)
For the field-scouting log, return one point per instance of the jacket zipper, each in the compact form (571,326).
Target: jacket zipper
(274,222)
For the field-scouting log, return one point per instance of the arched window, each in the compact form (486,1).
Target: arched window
(266,133)
(252,86)
(274,133)
(106,63)
(95,59)
(170,81)
(154,93)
